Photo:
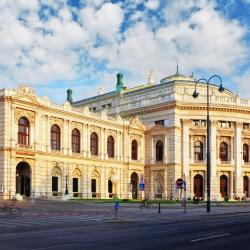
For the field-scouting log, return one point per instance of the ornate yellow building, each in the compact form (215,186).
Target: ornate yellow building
(51,150)
(111,143)
(175,135)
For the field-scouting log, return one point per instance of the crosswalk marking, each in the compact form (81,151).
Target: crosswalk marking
(40,221)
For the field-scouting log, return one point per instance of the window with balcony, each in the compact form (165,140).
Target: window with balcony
(134,150)
(94,144)
(55,137)
(159,122)
(223,151)
(75,139)
(199,123)
(225,124)
(159,151)
(23,131)
(198,151)
(245,152)
(111,146)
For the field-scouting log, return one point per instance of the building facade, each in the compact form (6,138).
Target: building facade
(111,143)
(51,150)
(175,135)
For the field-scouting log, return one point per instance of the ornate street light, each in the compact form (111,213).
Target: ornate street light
(66,189)
(195,95)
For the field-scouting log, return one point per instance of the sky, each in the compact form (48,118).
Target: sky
(54,45)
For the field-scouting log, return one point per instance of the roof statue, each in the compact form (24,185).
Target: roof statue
(119,84)
(151,77)
(100,90)
(69,95)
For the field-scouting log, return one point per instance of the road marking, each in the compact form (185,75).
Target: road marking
(56,246)
(210,237)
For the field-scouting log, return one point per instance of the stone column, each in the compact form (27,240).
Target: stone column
(105,141)
(13,128)
(65,137)
(165,150)
(48,146)
(238,160)
(84,140)
(152,161)
(37,135)
(88,154)
(152,196)
(231,183)
(215,188)
(69,144)
(186,152)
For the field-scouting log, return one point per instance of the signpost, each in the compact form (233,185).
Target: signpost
(179,183)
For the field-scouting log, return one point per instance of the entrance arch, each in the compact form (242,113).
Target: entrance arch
(198,186)
(134,184)
(246,185)
(224,186)
(23,173)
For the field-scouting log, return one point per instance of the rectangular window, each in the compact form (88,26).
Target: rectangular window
(199,123)
(75,185)
(245,125)
(93,185)
(54,184)
(159,122)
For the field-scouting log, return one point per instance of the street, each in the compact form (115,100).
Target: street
(138,229)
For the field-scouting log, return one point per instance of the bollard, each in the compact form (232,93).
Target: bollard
(159,208)
(116,209)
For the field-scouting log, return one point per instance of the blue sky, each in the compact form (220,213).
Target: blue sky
(54,45)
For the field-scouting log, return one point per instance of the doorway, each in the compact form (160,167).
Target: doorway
(23,173)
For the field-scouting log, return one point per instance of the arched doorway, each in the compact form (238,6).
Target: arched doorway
(198,186)
(224,186)
(23,173)
(245,185)
(134,184)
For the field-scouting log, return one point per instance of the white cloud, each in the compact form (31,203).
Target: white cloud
(64,48)
(152,4)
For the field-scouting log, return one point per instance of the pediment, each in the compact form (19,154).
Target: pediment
(156,128)
(26,94)
(136,122)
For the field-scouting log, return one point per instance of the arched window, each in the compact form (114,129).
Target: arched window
(224,186)
(198,185)
(111,146)
(246,186)
(198,151)
(134,150)
(245,152)
(223,151)
(23,131)
(55,137)
(94,144)
(159,151)
(75,139)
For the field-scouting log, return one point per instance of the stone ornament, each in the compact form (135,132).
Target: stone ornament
(30,115)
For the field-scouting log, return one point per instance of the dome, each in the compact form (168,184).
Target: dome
(176,77)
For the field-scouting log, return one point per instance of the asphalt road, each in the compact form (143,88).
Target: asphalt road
(230,231)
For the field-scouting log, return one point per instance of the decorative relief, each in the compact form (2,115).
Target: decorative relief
(246,141)
(77,173)
(186,122)
(199,138)
(55,120)
(76,125)
(30,115)
(25,90)
(56,171)
(224,139)
(136,122)
(95,129)
(135,137)
(112,133)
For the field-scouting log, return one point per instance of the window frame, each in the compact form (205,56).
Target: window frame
(55,137)
(23,136)
(76,141)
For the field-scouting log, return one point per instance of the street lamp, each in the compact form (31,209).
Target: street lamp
(66,189)
(195,95)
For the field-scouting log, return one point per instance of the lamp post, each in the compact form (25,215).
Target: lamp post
(195,95)
(66,188)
